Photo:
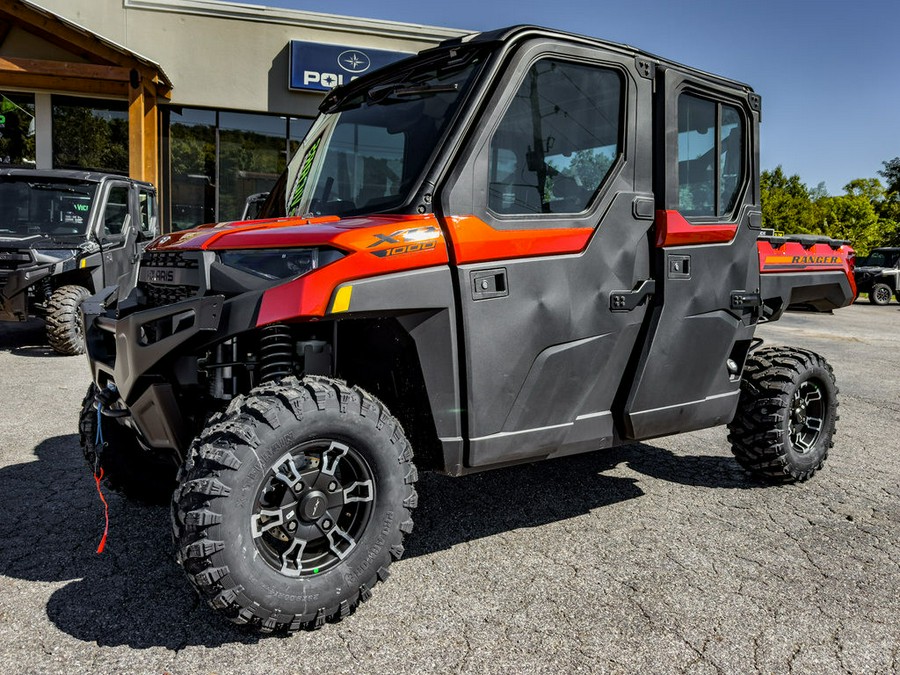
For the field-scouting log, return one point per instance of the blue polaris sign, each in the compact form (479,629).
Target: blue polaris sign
(318,67)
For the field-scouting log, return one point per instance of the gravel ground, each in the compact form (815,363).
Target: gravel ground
(656,557)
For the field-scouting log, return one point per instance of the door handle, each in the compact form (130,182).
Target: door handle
(625,301)
(489,283)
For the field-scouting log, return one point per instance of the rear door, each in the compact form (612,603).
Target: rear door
(705,260)
(549,210)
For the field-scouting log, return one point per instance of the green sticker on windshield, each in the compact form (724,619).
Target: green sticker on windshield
(303,176)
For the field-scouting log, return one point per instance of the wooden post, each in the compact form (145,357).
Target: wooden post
(151,138)
(136,118)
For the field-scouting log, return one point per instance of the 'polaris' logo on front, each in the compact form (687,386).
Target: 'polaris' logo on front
(160,276)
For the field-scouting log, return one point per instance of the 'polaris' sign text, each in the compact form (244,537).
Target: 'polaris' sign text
(318,67)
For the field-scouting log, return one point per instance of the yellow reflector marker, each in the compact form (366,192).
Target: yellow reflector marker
(342,299)
(83,263)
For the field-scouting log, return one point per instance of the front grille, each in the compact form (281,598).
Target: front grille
(190,261)
(158,295)
(167,277)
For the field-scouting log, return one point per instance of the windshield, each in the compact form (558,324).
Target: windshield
(881,259)
(369,153)
(30,206)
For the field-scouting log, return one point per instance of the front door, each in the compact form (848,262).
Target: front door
(549,211)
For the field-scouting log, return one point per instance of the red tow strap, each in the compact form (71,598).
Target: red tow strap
(97,479)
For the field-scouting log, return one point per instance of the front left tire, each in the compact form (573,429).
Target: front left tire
(293,503)
(64,331)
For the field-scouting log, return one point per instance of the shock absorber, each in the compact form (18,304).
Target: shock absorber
(276,352)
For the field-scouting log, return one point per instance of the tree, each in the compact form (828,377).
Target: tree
(786,203)
(891,173)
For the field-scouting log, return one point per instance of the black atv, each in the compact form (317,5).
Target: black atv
(64,235)
(878,274)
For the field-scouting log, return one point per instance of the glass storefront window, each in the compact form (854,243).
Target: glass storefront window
(220,158)
(16,130)
(90,134)
(251,156)
(192,136)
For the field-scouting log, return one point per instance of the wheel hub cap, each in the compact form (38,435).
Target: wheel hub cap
(808,408)
(312,508)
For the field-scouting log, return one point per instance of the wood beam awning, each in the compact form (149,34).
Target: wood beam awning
(99,67)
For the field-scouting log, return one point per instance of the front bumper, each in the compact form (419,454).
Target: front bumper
(128,352)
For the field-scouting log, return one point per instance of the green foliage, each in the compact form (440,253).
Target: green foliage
(866,214)
(786,203)
(891,173)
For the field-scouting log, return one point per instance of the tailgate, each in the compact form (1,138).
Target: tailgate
(809,271)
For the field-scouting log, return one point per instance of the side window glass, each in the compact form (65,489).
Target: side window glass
(731,160)
(116,211)
(558,140)
(147,211)
(710,156)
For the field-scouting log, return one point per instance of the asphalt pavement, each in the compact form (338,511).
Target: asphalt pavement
(659,557)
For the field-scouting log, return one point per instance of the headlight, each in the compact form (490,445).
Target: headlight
(49,255)
(279,263)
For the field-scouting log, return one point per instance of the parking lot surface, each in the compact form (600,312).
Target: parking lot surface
(656,557)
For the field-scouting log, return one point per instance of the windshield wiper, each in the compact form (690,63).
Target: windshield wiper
(402,89)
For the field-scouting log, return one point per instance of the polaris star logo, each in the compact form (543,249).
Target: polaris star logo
(354,61)
(318,67)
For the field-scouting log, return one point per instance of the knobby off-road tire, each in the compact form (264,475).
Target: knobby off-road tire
(64,332)
(786,416)
(128,468)
(293,503)
(880,295)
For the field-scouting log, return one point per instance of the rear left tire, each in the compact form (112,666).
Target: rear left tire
(786,416)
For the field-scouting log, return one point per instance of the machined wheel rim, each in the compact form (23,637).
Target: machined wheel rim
(312,508)
(808,407)
(883,294)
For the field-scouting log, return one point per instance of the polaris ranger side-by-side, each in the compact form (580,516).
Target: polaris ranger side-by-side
(878,274)
(63,236)
(515,246)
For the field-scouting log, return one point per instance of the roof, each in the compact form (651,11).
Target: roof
(67,175)
(100,47)
(524,31)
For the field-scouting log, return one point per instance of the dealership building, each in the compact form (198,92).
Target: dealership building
(205,99)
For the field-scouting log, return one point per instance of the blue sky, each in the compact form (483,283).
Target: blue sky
(828,70)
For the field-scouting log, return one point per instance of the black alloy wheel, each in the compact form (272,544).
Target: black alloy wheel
(880,295)
(312,508)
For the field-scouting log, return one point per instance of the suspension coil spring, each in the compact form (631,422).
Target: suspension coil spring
(276,352)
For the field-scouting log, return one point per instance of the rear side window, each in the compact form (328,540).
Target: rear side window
(711,156)
(557,141)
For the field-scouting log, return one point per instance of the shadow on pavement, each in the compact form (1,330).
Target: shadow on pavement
(26,338)
(51,520)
